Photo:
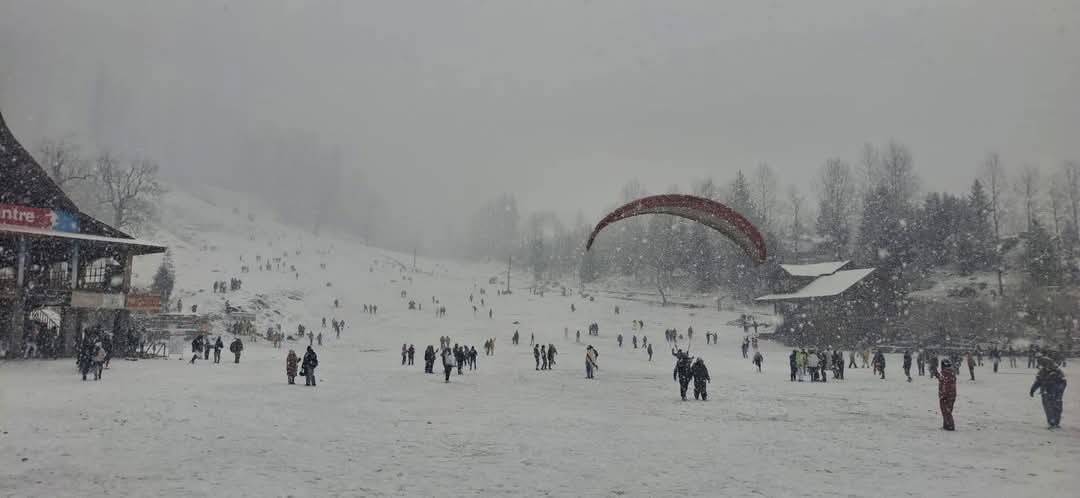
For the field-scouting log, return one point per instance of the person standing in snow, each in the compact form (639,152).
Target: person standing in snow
(514,339)
(934,374)
(920,361)
(648,349)
(448,363)
(838,364)
(745,347)
(995,358)
(907,364)
(551,356)
(578,338)
(536,355)
(1050,381)
(311,339)
(429,359)
(633,341)
(99,359)
(404,353)
(85,358)
(947,394)
(311,361)
(701,377)
(823,366)
(318,339)
(971,366)
(758,359)
(619,340)
(218,346)
(543,358)
(235,348)
(590,362)
(682,372)
(206,348)
(291,361)
(459,358)
(793,363)
(412,352)
(472,358)
(852,363)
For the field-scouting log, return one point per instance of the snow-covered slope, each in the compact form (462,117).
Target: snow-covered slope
(375,428)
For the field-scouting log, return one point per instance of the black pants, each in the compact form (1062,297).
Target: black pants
(971,371)
(410,360)
(934,373)
(237,358)
(217,356)
(907,371)
(995,366)
(683,384)
(1051,399)
(699,390)
(852,364)
(428,364)
(922,369)
(794,370)
(538,363)
(448,369)
(840,372)
(946,413)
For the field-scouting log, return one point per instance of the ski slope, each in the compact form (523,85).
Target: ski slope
(375,428)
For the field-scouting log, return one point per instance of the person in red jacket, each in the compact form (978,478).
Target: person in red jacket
(947,394)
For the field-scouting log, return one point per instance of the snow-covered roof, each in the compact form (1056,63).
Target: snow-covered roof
(814,270)
(825,286)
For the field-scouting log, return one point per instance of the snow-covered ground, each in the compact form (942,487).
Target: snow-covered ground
(375,428)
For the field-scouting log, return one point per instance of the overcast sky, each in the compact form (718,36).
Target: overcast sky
(447,102)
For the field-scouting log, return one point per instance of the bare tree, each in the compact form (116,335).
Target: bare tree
(1058,199)
(836,204)
(795,203)
(63,162)
(1071,170)
(897,173)
(765,192)
(129,192)
(1027,186)
(994,179)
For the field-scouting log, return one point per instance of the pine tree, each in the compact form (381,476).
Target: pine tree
(1042,257)
(976,250)
(165,278)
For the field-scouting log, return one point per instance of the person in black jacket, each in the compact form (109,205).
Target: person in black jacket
(907,364)
(793,364)
(308,365)
(196,348)
(682,371)
(536,355)
(701,377)
(1051,381)
(235,348)
(218,346)
(412,353)
(429,359)
(86,356)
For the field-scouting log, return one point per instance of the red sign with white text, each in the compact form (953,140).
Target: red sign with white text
(25,216)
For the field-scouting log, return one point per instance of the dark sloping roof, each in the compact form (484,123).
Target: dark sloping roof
(24,182)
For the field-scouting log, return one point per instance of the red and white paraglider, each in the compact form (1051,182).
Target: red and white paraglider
(705,211)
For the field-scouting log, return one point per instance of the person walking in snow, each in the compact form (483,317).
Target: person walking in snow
(1050,381)
(536,355)
(404,353)
(459,358)
(543,358)
(648,349)
(682,372)
(793,363)
(311,339)
(971,366)
(318,339)
(907,364)
(590,362)
(311,361)
(291,361)
(745,347)
(235,348)
(701,378)
(448,362)
(852,363)
(619,340)
(879,363)
(947,394)
(196,348)
(218,346)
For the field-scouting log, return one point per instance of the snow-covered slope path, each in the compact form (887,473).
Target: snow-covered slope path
(375,428)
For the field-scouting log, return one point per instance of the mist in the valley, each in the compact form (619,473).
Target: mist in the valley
(398,119)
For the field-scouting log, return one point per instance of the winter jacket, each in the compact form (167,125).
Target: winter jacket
(448,359)
(590,357)
(219,345)
(682,369)
(907,360)
(1051,380)
(99,354)
(699,372)
(947,384)
(238,346)
(290,364)
(311,360)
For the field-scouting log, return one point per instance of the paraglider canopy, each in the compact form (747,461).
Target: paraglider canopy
(705,211)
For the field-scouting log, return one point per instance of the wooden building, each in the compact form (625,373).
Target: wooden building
(824,304)
(52,255)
